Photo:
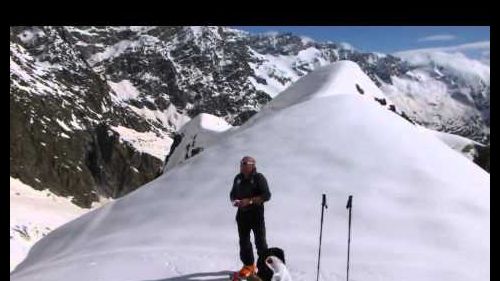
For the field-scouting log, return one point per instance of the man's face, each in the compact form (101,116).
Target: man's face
(246,167)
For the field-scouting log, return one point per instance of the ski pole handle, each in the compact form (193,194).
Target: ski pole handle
(349,202)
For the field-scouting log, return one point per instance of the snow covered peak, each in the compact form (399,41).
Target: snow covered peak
(196,135)
(347,46)
(306,40)
(202,33)
(339,78)
(197,31)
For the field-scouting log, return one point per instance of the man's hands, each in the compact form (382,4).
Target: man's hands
(247,201)
(257,200)
(241,203)
(236,203)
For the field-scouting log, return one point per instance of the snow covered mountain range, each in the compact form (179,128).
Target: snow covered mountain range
(420,212)
(95,110)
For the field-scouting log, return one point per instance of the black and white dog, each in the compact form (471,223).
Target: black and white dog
(271,266)
(280,272)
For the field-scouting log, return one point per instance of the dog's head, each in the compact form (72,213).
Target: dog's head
(275,264)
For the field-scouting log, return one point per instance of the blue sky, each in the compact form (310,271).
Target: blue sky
(386,39)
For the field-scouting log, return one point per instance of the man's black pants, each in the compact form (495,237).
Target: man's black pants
(251,220)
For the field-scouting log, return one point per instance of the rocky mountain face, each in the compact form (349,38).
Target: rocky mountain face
(95,110)
(61,115)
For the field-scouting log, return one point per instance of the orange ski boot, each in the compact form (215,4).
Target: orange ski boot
(247,270)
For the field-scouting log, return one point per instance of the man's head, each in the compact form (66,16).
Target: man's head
(247,165)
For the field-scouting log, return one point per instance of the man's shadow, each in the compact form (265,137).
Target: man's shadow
(203,276)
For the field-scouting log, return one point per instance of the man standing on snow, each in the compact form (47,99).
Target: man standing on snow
(249,192)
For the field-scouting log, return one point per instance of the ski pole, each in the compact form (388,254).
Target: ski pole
(323,206)
(349,206)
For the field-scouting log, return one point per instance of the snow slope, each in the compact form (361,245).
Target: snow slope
(33,214)
(420,209)
(147,142)
(457,143)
